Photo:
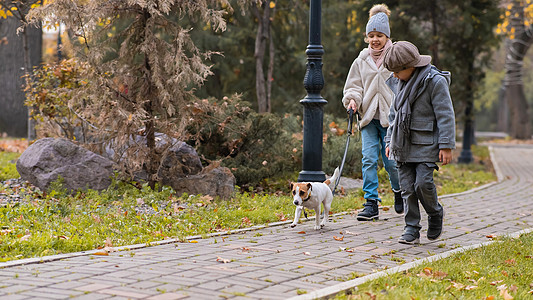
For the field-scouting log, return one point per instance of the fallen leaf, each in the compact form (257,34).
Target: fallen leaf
(506,295)
(352,233)
(245,249)
(471,287)
(513,288)
(510,261)
(350,250)
(301,232)
(488,298)
(222,260)
(338,238)
(307,253)
(385,208)
(372,296)
(103,253)
(504,273)
(281,217)
(496,282)
(489,236)
(193,241)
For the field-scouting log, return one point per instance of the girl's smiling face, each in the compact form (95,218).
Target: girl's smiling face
(376,39)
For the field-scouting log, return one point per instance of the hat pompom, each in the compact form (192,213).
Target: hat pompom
(379,8)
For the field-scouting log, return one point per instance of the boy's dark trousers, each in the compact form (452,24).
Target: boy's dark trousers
(416,181)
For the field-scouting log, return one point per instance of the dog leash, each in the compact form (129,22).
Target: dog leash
(350,122)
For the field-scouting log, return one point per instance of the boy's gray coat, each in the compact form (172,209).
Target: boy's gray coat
(432,118)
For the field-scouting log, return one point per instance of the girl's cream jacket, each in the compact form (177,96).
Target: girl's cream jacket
(366,86)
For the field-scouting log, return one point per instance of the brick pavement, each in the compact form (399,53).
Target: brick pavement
(280,262)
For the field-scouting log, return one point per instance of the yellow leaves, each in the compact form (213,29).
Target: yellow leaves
(272,4)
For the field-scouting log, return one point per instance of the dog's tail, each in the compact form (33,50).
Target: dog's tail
(333,178)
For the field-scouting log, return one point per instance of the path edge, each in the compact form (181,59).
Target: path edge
(335,289)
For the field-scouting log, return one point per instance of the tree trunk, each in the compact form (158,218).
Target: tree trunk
(514,89)
(14,115)
(263,34)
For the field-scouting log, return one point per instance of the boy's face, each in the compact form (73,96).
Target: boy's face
(376,39)
(405,75)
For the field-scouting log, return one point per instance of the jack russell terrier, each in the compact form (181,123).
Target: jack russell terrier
(310,195)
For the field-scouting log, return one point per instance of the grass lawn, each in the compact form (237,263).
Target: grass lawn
(501,270)
(53,222)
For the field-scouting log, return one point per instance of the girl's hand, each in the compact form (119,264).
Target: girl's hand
(387,151)
(352,105)
(445,156)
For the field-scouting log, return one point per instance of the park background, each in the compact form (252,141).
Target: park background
(242,63)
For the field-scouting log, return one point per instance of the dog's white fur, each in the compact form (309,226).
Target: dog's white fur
(314,193)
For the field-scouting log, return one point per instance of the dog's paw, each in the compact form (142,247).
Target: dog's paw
(293,225)
(317,227)
(322,225)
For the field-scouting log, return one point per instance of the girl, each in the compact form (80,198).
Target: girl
(365,92)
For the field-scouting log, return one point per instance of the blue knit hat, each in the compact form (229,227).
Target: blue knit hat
(379,20)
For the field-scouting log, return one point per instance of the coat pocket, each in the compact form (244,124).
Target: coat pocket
(422,132)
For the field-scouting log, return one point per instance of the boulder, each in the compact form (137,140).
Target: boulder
(214,182)
(47,159)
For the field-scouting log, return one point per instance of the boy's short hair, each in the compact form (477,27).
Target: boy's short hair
(404,55)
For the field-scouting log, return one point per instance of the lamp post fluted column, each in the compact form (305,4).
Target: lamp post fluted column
(313,111)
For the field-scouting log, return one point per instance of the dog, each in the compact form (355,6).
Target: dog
(310,195)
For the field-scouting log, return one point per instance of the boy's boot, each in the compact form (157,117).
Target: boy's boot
(435,226)
(410,237)
(370,211)
(398,202)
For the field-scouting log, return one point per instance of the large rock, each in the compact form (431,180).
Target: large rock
(214,182)
(47,159)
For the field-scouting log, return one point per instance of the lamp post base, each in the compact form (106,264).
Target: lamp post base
(311,176)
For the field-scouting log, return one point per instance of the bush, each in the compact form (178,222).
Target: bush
(254,146)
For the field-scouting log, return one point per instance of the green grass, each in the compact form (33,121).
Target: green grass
(55,222)
(499,270)
(7,165)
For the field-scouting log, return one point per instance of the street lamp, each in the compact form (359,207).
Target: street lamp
(313,103)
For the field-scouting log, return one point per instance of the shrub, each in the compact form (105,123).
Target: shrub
(254,146)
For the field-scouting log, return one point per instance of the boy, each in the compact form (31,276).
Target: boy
(422,132)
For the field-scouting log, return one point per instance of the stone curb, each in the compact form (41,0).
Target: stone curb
(332,290)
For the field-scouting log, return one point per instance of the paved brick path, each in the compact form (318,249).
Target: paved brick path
(279,262)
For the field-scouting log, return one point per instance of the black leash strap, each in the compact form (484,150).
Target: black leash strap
(351,114)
